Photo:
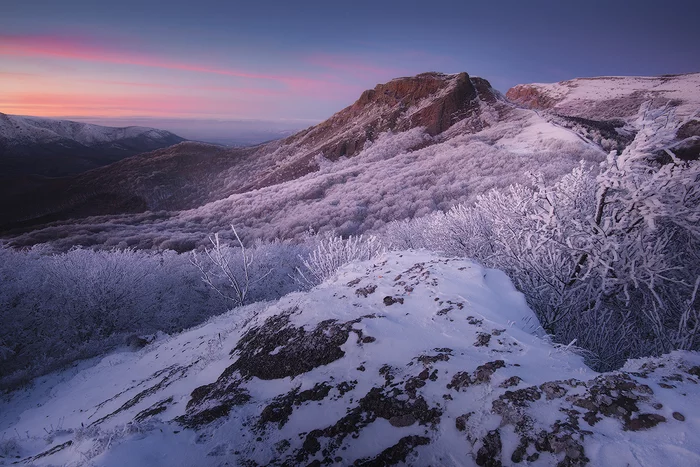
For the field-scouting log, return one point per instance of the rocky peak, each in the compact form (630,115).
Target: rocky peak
(432,100)
(435,101)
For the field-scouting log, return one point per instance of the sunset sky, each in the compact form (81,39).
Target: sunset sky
(299,62)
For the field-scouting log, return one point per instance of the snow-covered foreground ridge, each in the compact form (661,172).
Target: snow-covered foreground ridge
(407,359)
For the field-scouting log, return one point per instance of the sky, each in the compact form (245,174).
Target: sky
(205,67)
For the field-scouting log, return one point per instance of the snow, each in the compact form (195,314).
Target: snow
(22,130)
(620,96)
(538,134)
(68,405)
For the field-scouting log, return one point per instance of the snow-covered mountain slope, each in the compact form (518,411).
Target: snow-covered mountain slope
(31,145)
(405,148)
(612,97)
(407,359)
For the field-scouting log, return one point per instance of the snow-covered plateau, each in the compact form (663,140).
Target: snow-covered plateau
(410,358)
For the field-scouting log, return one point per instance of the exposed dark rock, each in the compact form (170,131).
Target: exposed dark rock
(460,380)
(388,300)
(400,421)
(298,350)
(364,291)
(679,416)
(685,150)
(482,340)
(461,421)
(346,386)
(430,359)
(552,390)
(510,382)
(375,404)
(274,350)
(153,410)
(489,454)
(135,342)
(482,375)
(172,374)
(644,421)
(689,129)
(282,407)
(413,384)
(48,452)
(396,453)
(483,372)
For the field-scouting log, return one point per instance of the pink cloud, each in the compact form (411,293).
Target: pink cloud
(86,50)
(237,90)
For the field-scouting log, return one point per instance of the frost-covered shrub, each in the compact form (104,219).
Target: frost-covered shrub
(55,309)
(332,252)
(243,274)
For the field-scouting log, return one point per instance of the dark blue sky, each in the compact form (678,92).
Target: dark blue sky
(302,61)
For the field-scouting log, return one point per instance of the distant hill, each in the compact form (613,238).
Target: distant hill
(55,148)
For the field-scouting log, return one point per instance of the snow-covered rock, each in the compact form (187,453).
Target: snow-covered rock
(407,359)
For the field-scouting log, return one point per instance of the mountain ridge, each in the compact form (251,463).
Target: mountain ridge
(51,147)
(404,148)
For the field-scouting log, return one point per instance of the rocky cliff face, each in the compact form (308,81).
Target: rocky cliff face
(531,97)
(434,101)
(431,100)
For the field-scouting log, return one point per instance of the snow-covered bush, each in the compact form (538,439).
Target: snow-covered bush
(243,274)
(332,252)
(55,309)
